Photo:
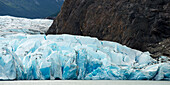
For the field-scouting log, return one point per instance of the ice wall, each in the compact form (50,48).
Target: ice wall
(68,57)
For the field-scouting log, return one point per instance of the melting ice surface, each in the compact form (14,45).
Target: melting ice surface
(39,57)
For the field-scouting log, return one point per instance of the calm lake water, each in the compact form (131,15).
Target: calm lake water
(80,82)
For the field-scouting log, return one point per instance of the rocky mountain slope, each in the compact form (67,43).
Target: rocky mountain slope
(30,8)
(140,24)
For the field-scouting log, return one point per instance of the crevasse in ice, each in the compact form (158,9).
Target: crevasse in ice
(68,57)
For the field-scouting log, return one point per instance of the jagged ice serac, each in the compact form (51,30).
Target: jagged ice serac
(27,54)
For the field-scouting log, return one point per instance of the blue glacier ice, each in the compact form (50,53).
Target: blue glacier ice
(68,57)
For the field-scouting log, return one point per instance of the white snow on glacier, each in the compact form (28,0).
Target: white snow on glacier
(24,56)
(9,24)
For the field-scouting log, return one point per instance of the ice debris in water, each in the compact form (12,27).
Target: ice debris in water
(70,57)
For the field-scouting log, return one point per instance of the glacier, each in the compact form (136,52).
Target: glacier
(27,54)
(12,25)
(68,57)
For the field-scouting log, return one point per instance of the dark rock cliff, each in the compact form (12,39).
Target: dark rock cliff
(139,24)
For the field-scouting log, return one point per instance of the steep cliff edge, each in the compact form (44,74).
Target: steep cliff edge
(139,24)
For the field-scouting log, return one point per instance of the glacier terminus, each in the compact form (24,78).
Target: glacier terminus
(29,56)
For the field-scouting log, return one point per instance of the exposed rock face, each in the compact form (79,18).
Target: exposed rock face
(140,24)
